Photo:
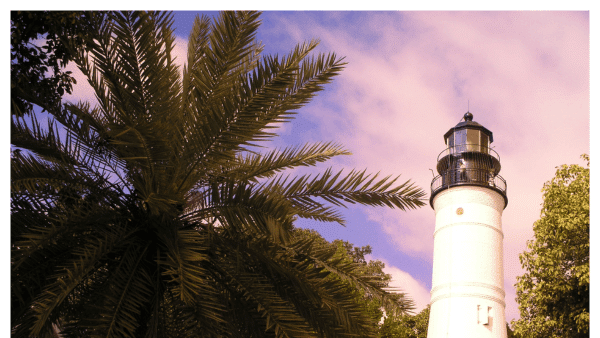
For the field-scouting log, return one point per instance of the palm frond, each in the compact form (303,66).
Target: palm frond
(239,209)
(128,293)
(66,280)
(182,264)
(255,166)
(268,95)
(124,65)
(356,187)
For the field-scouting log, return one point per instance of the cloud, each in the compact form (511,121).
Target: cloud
(180,51)
(411,232)
(82,90)
(402,280)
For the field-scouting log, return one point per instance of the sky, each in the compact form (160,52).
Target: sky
(409,78)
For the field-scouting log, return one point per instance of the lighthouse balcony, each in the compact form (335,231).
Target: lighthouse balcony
(468,177)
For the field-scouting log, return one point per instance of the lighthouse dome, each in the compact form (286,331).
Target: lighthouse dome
(468,132)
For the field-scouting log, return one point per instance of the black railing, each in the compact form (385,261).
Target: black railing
(463,148)
(468,156)
(477,177)
(468,164)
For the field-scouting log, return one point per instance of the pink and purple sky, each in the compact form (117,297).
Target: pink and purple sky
(410,77)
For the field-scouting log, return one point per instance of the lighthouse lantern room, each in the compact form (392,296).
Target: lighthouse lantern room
(468,159)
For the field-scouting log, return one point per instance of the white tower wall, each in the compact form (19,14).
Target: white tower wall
(467,295)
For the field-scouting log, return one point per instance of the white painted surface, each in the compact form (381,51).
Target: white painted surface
(468,277)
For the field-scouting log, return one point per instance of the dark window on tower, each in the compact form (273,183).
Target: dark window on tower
(460,138)
(450,141)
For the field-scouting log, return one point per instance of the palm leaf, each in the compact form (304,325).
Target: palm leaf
(66,280)
(255,166)
(129,290)
(356,187)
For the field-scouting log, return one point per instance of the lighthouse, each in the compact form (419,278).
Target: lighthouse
(468,196)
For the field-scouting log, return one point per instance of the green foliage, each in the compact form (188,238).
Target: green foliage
(406,325)
(149,215)
(39,52)
(553,294)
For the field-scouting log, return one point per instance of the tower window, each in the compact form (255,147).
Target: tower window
(473,141)
(460,139)
(450,141)
(485,143)
(483,314)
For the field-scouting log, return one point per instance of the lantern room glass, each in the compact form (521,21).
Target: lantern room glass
(485,144)
(473,142)
(460,139)
(468,140)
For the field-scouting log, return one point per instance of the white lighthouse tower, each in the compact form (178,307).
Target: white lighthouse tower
(468,196)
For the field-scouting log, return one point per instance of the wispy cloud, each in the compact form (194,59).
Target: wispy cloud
(406,283)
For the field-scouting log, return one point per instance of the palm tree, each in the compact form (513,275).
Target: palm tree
(150,214)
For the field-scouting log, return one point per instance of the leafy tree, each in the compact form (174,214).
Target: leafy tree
(553,294)
(37,73)
(149,215)
(406,325)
